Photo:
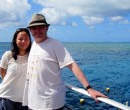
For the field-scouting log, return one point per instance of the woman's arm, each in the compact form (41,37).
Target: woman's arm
(2,72)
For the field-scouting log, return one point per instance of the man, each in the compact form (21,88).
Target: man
(45,87)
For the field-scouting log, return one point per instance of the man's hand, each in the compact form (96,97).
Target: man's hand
(94,94)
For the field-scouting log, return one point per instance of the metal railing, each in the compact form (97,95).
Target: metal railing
(105,100)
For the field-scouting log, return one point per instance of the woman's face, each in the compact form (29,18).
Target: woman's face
(22,41)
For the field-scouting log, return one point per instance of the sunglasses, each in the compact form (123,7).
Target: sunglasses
(22,29)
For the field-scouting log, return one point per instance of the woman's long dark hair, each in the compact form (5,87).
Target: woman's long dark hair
(14,47)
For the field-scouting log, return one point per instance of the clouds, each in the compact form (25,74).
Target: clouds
(12,11)
(54,16)
(92,20)
(119,19)
(70,18)
(58,12)
(91,11)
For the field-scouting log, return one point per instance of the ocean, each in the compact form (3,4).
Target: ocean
(106,65)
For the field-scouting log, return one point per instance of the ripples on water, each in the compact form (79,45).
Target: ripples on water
(3,47)
(105,65)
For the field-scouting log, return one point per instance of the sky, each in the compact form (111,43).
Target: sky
(70,20)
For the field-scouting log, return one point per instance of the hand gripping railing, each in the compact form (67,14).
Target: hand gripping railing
(106,100)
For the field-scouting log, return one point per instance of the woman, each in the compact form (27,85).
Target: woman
(13,68)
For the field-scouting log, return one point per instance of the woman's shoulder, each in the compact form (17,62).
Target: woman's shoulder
(8,54)
(5,58)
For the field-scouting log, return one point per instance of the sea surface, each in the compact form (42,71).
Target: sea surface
(106,65)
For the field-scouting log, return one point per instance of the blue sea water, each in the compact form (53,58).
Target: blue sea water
(106,65)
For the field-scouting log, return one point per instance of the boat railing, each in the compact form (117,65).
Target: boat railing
(109,101)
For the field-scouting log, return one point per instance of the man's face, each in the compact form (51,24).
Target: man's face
(39,33)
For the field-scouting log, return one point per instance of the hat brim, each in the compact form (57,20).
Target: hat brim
(38,24)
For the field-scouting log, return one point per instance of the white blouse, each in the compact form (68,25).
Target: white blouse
(12,86)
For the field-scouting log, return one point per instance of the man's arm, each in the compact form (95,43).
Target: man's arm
(79,74)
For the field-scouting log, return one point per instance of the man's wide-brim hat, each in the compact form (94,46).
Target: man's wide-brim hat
(38,20)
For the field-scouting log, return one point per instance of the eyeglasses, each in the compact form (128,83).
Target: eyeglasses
(22,29)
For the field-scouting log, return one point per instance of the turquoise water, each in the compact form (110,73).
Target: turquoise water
(105,65)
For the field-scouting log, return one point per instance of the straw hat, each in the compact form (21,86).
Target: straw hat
(38,20)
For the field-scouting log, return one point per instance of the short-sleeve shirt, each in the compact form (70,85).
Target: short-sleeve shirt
(12,86)
(46,89)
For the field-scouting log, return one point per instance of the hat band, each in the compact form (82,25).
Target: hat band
(41,21)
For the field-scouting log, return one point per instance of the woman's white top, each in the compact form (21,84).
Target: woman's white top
(45,87)
(12,86)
